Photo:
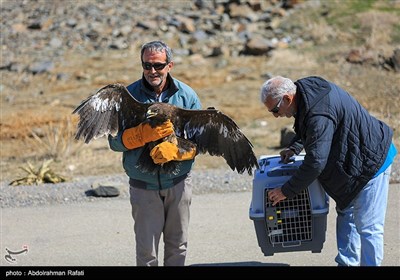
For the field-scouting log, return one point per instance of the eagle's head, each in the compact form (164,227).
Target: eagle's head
(158,113)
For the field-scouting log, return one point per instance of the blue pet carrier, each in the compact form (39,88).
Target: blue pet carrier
(296,224)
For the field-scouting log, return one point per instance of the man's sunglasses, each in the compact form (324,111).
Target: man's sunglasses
(156,66)
(276,109)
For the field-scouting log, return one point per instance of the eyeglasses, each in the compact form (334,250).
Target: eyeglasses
(276,109)
(156,66)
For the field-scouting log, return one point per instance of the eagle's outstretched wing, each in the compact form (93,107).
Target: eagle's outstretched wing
(218,135)
(112,109)
(109,109)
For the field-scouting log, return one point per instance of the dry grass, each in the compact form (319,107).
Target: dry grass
(56,141)
(37,176)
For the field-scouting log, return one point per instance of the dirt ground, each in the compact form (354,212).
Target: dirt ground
(36,121)
(44,107)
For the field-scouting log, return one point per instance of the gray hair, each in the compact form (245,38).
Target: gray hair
(276,87)
(157,46)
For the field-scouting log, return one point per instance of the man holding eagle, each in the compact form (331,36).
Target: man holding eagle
(158,125)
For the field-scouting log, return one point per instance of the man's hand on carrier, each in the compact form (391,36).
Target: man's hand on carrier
(286,154)
(275,196)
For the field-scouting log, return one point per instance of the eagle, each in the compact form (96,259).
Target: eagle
(112,108)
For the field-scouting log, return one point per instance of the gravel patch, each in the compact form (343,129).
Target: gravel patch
(204,181)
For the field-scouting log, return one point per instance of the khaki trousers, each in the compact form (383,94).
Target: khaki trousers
(157,212)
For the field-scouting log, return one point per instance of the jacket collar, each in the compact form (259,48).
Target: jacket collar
(148,90)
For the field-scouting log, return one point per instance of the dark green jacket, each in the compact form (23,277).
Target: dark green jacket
(178,94)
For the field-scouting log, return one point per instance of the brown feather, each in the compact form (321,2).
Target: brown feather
(113,108)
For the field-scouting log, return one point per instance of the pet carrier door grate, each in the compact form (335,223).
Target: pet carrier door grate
(289,222)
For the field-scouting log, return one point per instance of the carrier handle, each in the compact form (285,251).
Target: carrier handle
(283,170)
(264,162)
(291,160)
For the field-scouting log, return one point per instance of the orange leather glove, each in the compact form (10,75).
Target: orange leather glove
(167,151)
(139,135)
